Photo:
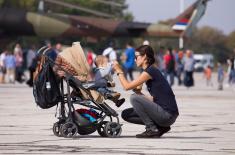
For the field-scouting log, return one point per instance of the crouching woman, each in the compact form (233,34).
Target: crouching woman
(157,111)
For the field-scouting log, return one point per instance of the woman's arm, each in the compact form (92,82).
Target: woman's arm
(127,85)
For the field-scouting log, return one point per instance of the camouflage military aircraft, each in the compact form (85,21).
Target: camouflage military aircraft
(18,22)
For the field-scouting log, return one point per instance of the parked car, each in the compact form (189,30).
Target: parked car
(202,61)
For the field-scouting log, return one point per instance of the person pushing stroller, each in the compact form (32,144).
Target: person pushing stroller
(103,80)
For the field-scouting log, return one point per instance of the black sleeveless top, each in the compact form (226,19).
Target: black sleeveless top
(161,91)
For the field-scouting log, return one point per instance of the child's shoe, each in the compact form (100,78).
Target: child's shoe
(118,103)
(111,84)
(113,96)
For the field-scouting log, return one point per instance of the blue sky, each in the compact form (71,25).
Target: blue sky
(220,14)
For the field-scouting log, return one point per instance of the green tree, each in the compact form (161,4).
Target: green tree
(27,4)
(230,41)
(209,40)
(1,2)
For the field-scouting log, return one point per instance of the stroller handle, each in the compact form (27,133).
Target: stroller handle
(43,50)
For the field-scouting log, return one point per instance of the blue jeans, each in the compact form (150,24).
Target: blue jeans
(104,91)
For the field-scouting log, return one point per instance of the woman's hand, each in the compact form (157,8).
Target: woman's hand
(138,89)
(117,68)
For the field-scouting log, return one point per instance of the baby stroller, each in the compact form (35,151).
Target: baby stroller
(72,121)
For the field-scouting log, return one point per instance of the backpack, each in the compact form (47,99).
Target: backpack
(46,90)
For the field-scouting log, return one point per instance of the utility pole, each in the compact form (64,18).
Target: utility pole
(41,6)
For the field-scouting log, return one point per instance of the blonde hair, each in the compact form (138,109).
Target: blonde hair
(99,60)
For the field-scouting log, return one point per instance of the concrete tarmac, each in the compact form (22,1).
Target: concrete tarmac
(205,126)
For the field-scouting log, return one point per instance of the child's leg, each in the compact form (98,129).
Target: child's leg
(111,95)
(102,91)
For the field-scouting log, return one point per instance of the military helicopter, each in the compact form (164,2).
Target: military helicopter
(53,25)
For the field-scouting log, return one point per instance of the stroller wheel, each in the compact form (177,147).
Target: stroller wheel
(56,129)
(100,128)
(112,129)
(69,129)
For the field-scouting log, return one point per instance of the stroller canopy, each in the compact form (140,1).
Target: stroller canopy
(76,58)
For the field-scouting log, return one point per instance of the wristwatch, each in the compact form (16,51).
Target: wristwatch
(119,73)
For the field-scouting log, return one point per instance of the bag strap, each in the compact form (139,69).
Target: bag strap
(40,63)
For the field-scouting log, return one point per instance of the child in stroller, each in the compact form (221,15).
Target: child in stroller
(73,69)
(103,80)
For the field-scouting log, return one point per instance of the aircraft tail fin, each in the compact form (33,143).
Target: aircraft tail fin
(189,18)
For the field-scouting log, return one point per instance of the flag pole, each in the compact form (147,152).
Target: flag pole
(181,40)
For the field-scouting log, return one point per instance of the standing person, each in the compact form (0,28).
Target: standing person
(90,61)
(18,49)
(169,60)
(232,73)
(157,111)
(31,57)
(188,69)
(208,75)
(10,63)
(179,67)
(233,69)
(90,58)
(2,66)
(221,74)
(130,60)
(110,53)
(19,64)
(229,63)
(160,60)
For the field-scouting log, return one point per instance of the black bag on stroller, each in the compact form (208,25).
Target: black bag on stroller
(46,90)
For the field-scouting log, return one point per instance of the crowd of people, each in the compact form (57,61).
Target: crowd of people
(173,64)
(14,63)
(11,63)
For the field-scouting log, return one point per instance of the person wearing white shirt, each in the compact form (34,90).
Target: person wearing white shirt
(2,67)
(110,53)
